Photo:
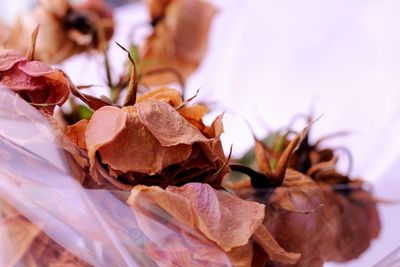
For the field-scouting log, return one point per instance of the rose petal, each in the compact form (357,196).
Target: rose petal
(222,218)
(167,125)
(35,68)
(8,58)
(299,193)
(105,124)
(76,133)
(131,146)
(274,250)
(171,96)
(169,242)
(17,80)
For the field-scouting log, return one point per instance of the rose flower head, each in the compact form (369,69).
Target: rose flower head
(36,82)
(312,208)
(66,29)
(158,140)
(353,208)
(179,39)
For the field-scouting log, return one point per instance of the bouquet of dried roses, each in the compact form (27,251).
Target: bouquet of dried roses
(137,178)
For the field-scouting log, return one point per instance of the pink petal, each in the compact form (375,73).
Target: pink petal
(8,58)
(35,68)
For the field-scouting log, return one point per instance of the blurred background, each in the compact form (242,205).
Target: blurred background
(269,61)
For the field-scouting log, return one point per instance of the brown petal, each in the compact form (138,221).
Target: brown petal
(274,250)
(242,256)
(76,133)
(167,125)
(131,146)
(222,218)
(104,125)
(193,113)
(299,193)
(171,96)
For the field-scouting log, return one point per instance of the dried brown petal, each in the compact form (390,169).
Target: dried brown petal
(222,218)
(167,125)
(274,251)
(126,144)
(76,133)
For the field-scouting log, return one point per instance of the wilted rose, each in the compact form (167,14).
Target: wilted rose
(311,208)
(179,40)
(65,30)
(35,81)
(157,141)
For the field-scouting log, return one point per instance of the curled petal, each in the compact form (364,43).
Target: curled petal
(105,124)
(125,144)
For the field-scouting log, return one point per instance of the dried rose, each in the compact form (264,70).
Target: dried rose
(65,30)
(300,219)
(157,141)
(223,219)
(34,81)
(339,205)
(295,211)
(179,40)
(353,209)
(356,217)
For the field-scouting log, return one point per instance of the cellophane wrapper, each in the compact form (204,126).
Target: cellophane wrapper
(47,218)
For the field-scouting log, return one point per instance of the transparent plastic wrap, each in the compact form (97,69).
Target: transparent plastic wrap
(48,218)
(41,198)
